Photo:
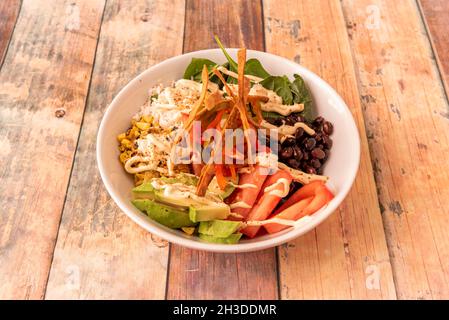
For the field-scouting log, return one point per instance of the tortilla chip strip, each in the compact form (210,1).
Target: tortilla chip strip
(198,104)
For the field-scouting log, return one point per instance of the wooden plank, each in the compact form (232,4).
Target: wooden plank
(100,252)
(436,18)
(9,10)
(408,124)
(202,275)
(43,87)
(346,256)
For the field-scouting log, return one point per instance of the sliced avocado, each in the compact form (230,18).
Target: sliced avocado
(141,204)
(199,213)
(232,239)
(147,191)
(164,214)
(215,188)
(219,228)
(144,191)
(185,178)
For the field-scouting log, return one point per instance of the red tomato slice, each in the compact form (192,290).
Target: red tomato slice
(257,177)
(266,202)
(304,192)
(302,208)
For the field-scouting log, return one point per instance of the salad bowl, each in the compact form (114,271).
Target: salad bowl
(341,167)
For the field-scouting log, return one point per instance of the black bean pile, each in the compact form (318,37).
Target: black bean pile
(303,151)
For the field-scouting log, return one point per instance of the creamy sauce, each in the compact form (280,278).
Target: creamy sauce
(140,168)
(244,186)
(239,204)
(285,222)
(273,189)
(288,130)
(283,109)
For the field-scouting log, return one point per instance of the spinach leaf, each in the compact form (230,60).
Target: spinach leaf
(280,85)
(301,94)
(255,68)
(194,69)
(271,115)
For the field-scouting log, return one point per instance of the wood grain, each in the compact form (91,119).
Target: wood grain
(408,124)
(9,10)
(100,252)
(346,256)
(202,275)
(43,87)
(436,18)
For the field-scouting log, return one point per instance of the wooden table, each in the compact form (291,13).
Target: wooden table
(62,62)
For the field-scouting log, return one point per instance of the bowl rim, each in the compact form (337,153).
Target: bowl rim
(239,247)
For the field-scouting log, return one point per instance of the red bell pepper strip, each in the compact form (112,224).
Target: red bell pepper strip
(267,201)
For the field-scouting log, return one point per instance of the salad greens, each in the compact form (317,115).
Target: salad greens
(291,92)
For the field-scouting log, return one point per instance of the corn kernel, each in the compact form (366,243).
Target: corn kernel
(143,125)
(121,136)
(147,118)
(188,230)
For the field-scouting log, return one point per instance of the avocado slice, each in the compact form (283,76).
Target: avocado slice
(214,187)
(164,214)
(144,191)
(217,211)
(188,179)
(219,228)
(232,239)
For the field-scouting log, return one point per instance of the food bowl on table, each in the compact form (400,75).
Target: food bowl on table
(341,166)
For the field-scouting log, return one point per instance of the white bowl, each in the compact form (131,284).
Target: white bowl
(341,167)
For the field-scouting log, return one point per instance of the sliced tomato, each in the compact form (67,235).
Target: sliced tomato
(304,192)
(266,201)
(304,207)
(257,177)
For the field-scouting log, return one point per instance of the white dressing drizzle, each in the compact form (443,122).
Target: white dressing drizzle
(244,186)
(273,189)
(239,204)
(286,129)
(285,222)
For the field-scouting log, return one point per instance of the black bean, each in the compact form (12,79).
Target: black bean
(305,156)
(299,134)
(328,128)
(290,120)
(310,170)
(310,143)
(315,163)
(318,153)
(327,142)
(293,163)
(300,118)
(297,153)
(318,121)
(320,146)
(318,137)
(287,152)
(327,153)
(288,142)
